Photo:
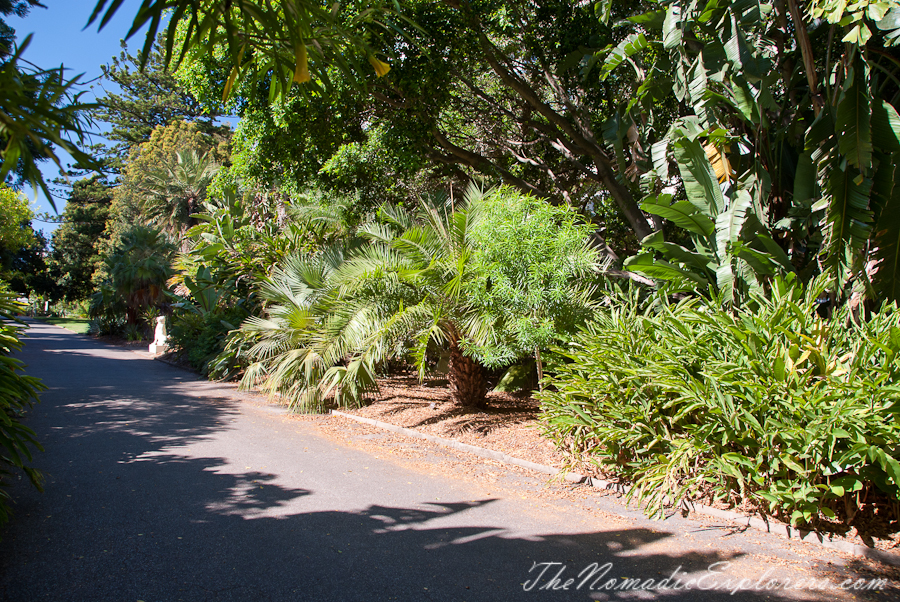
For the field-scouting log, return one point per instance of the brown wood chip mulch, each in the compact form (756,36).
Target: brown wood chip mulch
(508,423)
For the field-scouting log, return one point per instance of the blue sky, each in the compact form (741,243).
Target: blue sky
(60,39)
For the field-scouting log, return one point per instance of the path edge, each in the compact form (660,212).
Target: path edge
(752,522)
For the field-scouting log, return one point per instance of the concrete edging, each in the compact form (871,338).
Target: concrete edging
(472,449)
(752,522)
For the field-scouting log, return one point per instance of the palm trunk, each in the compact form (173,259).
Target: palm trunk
(466,377)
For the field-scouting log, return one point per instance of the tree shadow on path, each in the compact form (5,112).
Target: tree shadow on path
(129,516)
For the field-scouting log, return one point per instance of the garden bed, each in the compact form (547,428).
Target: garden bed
(509,424)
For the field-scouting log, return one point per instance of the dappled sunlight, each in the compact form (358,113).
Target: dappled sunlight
(184,418)
(141,481)
(577,300)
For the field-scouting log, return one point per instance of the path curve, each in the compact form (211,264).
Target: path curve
(164,487)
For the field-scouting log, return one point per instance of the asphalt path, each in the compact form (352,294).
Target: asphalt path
(163,487)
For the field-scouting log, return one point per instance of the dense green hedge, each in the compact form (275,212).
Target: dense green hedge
(773,406)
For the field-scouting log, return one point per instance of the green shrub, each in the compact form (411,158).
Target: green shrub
(233,360)
(107,325)
(17,394)
(107,312)
(134,332)
(482,282)
(775,407)
(202,335)
(534,273)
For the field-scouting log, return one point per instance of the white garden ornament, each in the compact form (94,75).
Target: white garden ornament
(160,337)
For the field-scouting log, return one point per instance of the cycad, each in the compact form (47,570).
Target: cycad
(331,320)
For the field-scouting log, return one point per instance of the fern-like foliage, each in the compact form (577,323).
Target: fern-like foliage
(18,393)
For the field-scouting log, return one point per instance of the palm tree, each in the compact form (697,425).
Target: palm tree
(174,193)
(296,354)
(138,269)
(412,283)
(431,261)
(331,320)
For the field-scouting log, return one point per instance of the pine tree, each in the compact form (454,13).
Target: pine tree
(76,253)
(147,99)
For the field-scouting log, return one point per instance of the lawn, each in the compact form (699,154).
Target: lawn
(79,325)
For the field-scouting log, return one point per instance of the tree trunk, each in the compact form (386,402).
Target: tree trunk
(466,377)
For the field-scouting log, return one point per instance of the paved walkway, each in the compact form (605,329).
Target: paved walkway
(162,487)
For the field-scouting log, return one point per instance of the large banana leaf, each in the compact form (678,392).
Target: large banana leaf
(853,121)
(672,27)
(887,231)
(700,182)
(805,184)
(698,86)
(659,153)
(730,223)
(757,238)
(683,214)
(885,127)
(761,264)
(744,99)
(849,218)
(627,48)
(691,259)
(725,279)
(741,54)
(645,263)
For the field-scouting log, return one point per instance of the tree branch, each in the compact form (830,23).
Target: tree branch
(486,166)
(809,63)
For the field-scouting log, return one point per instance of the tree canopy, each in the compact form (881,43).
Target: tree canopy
(40,110)
(76,244)
(148,97)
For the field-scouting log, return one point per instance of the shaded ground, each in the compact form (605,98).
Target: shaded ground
(164,487)
(510,424)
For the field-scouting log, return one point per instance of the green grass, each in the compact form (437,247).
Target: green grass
(79,325)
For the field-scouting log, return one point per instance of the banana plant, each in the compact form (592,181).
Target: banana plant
(733,252)
(239,240)
(799,114)
(204,289)
(854,145)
